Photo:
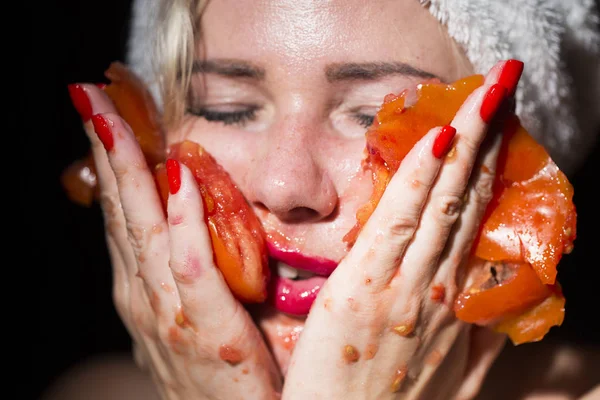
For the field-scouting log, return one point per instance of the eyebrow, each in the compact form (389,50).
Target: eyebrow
(372,71)
(229,68)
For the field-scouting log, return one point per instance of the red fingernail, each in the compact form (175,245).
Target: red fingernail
(493,98)
(101,86)
(510,75)
(80,101)
(173,175)
(443,141)
(102,128)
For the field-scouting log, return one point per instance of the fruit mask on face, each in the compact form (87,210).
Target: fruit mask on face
(528,225)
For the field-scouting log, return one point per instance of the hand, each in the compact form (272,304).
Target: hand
(197,340)
(383,325)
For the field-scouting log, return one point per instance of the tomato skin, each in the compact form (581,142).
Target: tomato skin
(534,324)
(512,296)
(532,216)
(135,104)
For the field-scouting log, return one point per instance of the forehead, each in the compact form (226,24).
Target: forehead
(301,34)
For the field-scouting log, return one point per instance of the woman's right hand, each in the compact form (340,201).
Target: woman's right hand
(196,339)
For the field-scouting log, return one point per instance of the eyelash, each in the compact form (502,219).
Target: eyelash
(243,116)
(227,118)
(364,120)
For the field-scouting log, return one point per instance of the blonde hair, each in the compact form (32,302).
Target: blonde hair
(178,23)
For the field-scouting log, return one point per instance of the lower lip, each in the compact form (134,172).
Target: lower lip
(295,297)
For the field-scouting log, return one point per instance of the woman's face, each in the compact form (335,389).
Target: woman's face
(282,94)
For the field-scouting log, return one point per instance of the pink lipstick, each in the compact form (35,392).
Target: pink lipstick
(293,258)
(295,297)
(293,294)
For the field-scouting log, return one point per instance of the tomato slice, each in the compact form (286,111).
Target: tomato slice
(135,104)
(532,216)
(530,222)
(534,324)
(397,129)
(238,240)
(495,298)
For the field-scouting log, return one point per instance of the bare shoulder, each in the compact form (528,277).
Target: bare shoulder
(108,377)
(549,369)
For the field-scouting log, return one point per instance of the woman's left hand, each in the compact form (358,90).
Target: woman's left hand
(383,325)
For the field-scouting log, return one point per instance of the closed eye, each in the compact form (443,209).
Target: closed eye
(364,120)
(238,117)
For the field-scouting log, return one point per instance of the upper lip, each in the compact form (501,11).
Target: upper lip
(295,259)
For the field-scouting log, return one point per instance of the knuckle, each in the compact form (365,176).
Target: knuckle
(419,179)
(167,334)
(185,270)
(470,143)
(483,187)
(136,234)
(418,183)
(147,239)
(130,174)
(449,209)
(237,324)
(403,227)
(112,211)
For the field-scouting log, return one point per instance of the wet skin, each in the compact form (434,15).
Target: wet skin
(283,100)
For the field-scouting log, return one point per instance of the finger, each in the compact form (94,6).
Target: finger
(120,287)
(129,294)
(479,193)
(145,219)
(207,304)
(89,100)
(199,282)
(378,250)
(480,186)
(444,205)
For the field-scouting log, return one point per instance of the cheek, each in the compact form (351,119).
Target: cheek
(356,193)
(234,150)
(353,182)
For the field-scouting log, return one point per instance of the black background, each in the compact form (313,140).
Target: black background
(74,41)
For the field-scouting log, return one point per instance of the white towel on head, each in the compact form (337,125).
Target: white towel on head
(558,99)
(140,45)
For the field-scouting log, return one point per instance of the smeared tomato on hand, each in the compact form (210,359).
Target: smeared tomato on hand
(238,240)
(529,224)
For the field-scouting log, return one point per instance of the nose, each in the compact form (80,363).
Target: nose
(290,177)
